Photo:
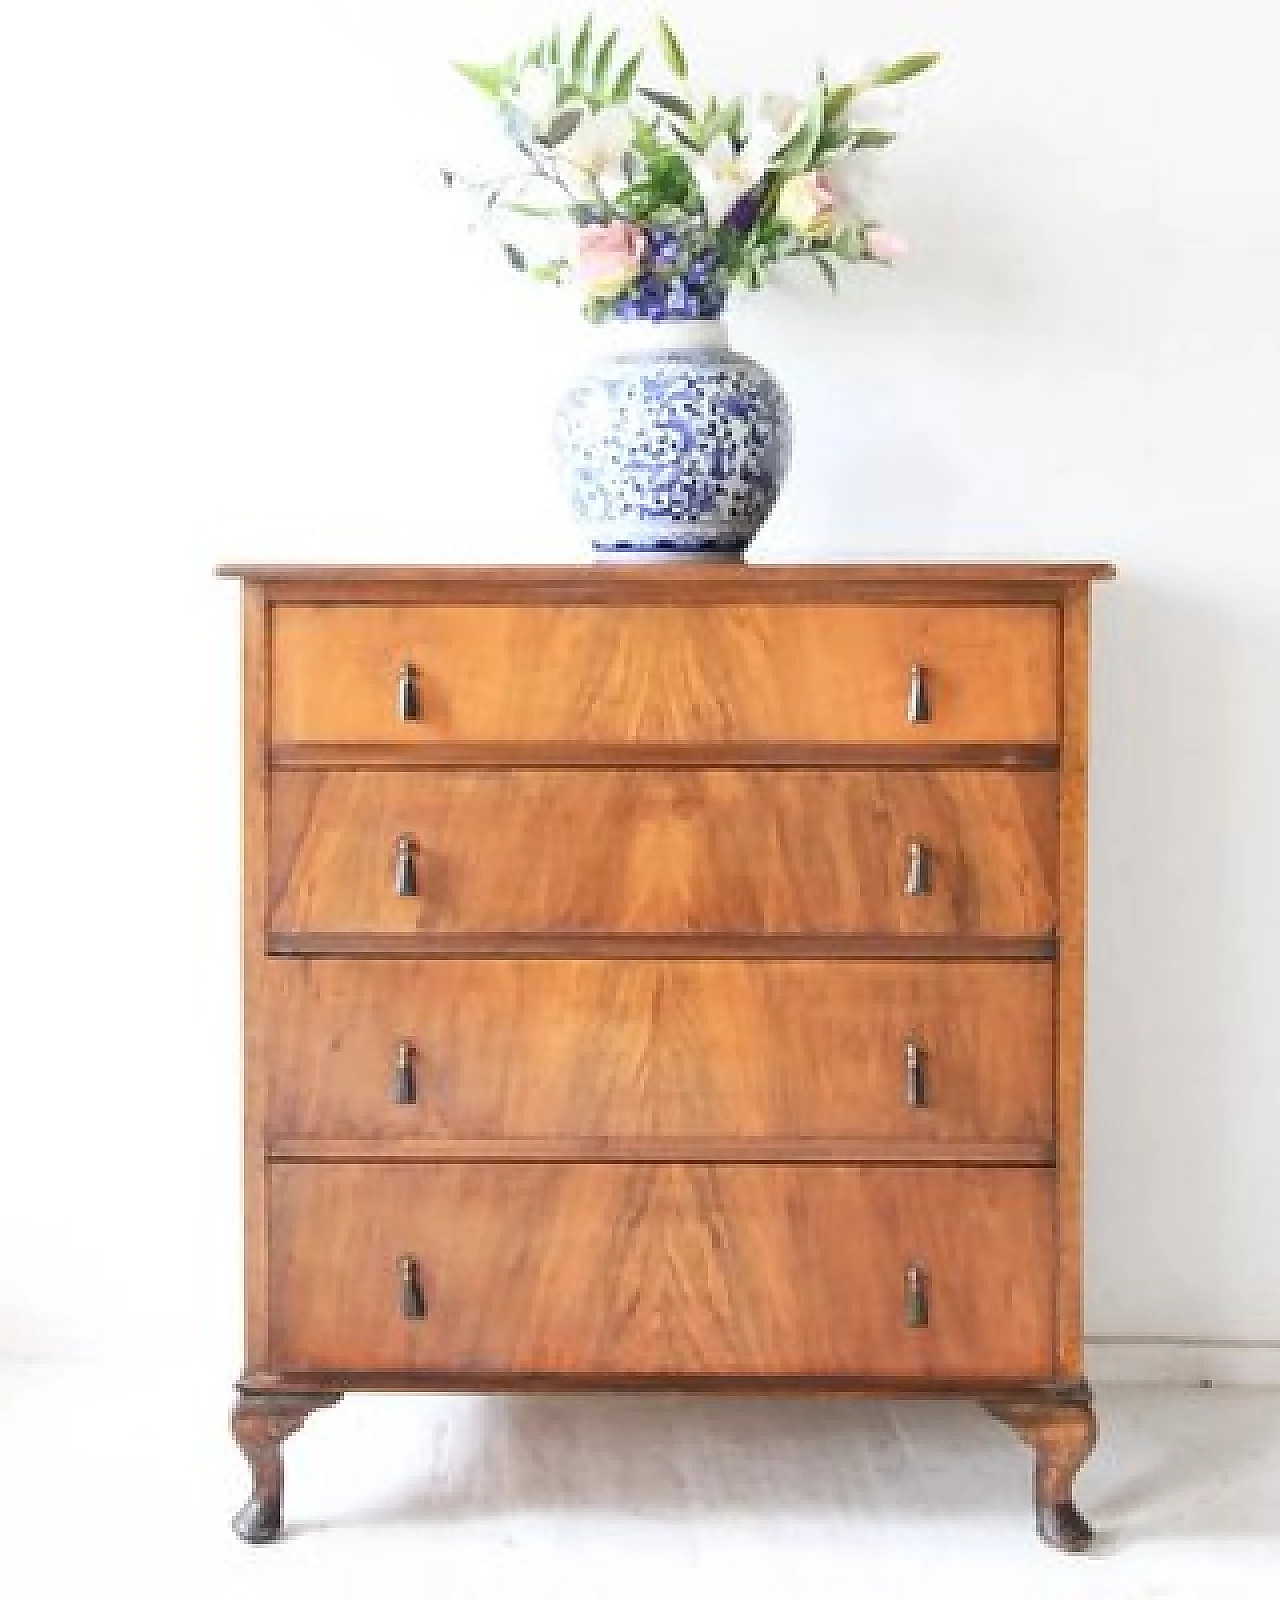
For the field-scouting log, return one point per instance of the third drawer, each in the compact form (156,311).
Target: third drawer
(580,1053)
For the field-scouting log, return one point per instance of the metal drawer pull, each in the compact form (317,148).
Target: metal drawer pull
(913,1057)
(413,1303)
(918,706)
(919,879)
(917,1297)
(404,1087)
(408,695)
(406,866)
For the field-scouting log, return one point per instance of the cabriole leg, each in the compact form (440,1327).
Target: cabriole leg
(1061,1428)
(261,1421)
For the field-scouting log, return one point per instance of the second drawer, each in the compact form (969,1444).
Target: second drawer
(668,852)
(933,1053)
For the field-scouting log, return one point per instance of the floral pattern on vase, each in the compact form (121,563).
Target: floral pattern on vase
(679,449)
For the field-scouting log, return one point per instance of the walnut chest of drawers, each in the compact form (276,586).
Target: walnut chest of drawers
(666,977)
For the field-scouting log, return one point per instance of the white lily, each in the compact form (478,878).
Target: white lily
(597,145)
(536,96)
(771,120)
(724,175)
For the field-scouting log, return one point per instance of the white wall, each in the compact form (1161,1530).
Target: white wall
(237,319)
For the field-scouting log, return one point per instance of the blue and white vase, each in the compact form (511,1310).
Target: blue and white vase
(673,445)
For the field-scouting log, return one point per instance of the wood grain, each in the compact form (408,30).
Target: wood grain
(666,946)
(1073,868)
(511,753)
(662,1269)
(726,851)
(255,655)
(260,1422)
(591,1052)
(669,674)
(339,1381)
(658,973)
(608,581)
(838,1149)
(1062,1430)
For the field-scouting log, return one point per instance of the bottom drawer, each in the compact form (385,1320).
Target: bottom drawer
(611,1270)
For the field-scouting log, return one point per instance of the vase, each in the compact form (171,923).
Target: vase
(672,445)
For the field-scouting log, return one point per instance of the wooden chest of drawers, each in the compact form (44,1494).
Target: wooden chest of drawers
(666,977)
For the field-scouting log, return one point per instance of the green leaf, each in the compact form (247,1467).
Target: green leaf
(669,102)
(553,47)
(872,138)
(489,80)
(827,271)
(581,49)
(837,102)
(672,53)
(548,271)
(908,67)
(522,208)
(604,57)
(847,244)
(832,140)
(626,80)
(562,125)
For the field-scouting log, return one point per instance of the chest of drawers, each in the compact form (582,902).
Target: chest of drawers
(665,977)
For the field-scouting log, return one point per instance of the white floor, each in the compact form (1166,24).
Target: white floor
(112,1485)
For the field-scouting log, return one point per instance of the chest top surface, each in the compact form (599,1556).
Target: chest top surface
(682,582)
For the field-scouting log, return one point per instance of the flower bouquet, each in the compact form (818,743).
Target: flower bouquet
(657,200)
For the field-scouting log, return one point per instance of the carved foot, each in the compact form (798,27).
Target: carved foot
(261,1421)
(1061,1428)
(1060,1524)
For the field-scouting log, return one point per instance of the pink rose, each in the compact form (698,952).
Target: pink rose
(882,244)
(610,256)
(807,203)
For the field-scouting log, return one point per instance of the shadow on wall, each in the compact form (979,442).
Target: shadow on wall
(1169,1002)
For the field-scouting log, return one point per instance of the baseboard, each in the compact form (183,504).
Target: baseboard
(1117,1359)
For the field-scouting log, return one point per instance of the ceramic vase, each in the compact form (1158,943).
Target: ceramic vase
(672,444)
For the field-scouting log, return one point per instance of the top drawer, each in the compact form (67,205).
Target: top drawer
(665,674)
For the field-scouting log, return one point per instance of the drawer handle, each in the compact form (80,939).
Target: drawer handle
(408,694)
(406,866)
(917,1297)
(917,1083)
(404,1086)
(919,878)
(413,1303)
(919,708)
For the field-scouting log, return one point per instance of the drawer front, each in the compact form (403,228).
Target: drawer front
(664,674)
(611,1269)
(583,1051)
(729,851)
